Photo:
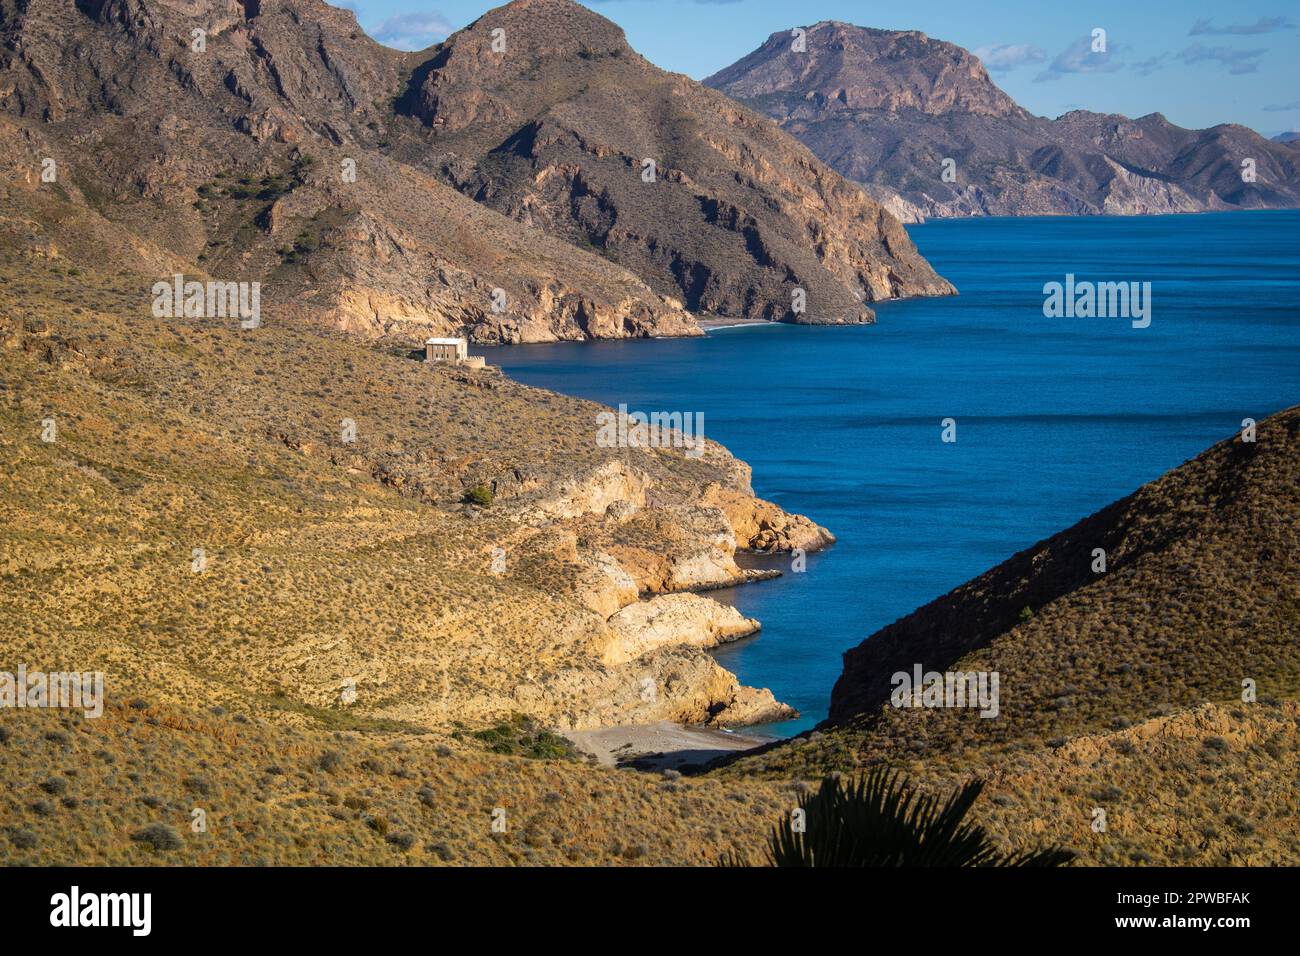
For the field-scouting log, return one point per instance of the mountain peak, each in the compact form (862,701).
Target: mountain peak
(547,28)
(847,67)
(920,123)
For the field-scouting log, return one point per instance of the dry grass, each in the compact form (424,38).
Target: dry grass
(81,791)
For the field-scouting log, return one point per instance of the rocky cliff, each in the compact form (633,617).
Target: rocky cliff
(890,109)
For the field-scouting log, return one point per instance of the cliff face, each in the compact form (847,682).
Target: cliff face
(559,131)
(887,108)
(847,68)
(1198,593)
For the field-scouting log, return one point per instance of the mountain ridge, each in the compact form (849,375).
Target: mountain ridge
(731,219)
(215,137)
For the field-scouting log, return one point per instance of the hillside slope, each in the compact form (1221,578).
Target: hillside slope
(323,486)
(887,108)
(1201,591)
(1119,691)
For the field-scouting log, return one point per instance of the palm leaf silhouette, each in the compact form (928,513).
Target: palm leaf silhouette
(880,821)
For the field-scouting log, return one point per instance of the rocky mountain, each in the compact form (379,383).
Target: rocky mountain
(400,195)
(889,109)
(245,142)
(570,130)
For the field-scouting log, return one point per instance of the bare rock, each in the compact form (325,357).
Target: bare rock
(673,619)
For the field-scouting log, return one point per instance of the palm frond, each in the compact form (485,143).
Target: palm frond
(878,820)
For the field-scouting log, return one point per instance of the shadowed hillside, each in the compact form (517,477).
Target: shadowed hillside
(1199,593)
(1119,691)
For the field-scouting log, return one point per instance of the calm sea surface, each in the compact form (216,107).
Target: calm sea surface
(1055,417)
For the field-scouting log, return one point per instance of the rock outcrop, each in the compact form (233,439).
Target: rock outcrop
(674,619)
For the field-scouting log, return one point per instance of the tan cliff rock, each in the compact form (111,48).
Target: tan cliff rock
(680,684)
(612,483)
(674,619)
(763,526)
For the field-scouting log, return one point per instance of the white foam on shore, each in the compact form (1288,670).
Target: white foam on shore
(732,325)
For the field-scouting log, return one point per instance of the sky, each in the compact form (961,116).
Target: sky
(1200,62)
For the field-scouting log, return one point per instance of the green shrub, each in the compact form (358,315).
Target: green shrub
(158,835)
(480,495)
(521,736)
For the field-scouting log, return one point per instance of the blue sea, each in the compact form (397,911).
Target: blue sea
(1055,417)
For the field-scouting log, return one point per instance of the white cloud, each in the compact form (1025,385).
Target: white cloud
(1079,57)
(412,31)
(1262,25)
(1007,56)
(1237,61)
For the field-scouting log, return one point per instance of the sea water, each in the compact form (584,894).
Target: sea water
(1054,416)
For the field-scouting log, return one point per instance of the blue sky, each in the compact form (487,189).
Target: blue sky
(1199,62)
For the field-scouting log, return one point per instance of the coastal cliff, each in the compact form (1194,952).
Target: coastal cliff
(289,460)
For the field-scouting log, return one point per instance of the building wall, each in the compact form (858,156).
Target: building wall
(452,353)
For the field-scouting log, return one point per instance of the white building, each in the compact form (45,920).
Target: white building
(455,351)
(446,350)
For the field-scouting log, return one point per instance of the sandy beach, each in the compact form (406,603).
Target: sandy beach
(660,746)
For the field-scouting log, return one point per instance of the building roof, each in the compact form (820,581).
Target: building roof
(444,342)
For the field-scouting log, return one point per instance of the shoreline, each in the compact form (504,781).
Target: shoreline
(712,325)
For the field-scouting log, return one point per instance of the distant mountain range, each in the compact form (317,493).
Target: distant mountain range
(920,122)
